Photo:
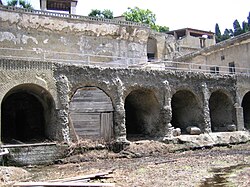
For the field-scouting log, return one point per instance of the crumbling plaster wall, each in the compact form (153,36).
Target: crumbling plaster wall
(17,72)
(46,37)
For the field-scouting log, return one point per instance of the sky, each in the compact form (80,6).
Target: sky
(197,14)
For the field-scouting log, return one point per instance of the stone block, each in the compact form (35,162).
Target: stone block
(176,132)
(231,127)
(193,130)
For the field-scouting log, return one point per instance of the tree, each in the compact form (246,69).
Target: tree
(217,33)
(108,14)
(139,15)
(248,19)
(237,28)
(22,3)
(245,27)
(228,33)
(162,28)
(144,16)
(1,2)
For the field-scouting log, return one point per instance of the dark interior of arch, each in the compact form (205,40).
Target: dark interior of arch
(23,117)
(221,111)
(185,110)
(246,110)
(142,114)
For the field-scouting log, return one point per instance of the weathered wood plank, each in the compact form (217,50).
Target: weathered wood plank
(62,184)
(90,106)
(86,118)
(86,108)
(107,126)
(88,100)
(90,176)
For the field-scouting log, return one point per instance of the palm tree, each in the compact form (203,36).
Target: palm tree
(22,3)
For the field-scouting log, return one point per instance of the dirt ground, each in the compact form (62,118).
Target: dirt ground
(151,163)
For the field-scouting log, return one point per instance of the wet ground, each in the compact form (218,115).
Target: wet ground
(156,164)
(227,176)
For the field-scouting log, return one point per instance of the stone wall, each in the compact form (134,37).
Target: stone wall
(33,154)
(119,83)
(62,81)
(41,35)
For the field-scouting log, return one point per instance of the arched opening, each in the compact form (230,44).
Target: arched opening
(151,49)
(91,113)
(246,110)
(142,114)
(221,111)
(26,114)
(185,110)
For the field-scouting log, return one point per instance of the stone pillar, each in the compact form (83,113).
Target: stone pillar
(119,113)
(63,111)
(239,117)
(175,35)
(206,113)
(119,124)
(73,7)
(43,4)
(1,124)
(187,32)
(167,110)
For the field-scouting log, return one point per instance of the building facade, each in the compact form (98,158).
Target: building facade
(77,76)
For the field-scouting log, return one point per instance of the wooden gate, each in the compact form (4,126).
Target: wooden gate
(91,112)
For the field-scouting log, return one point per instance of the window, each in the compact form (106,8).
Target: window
(231,67)
(215,70)
(222,57)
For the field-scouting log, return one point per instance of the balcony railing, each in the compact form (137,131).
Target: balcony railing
(72,16)
(116,61)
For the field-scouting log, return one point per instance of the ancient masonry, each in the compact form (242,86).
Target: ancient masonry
(66,77)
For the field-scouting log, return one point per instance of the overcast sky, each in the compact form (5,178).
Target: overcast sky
(198,14)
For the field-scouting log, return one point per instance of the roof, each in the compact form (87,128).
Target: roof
(195,31)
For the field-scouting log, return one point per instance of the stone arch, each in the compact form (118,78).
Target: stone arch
(91,113)
(221,111)
(186,110)
(27,114)
(142,111)
(246,110)
(151,49)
